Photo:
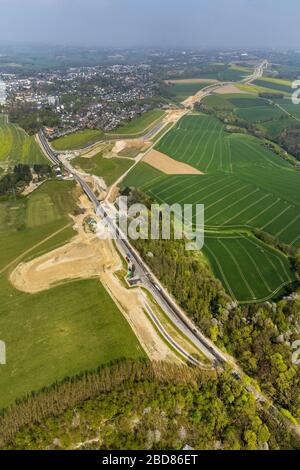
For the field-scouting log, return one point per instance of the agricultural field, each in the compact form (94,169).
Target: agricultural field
(78,140)
(62,331)
(139,125)
(245,186)
(17,146)
(142,174)
(273,115)
(275,85)
(184,90)
(110,169)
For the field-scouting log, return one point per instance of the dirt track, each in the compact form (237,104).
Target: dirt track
(168,165)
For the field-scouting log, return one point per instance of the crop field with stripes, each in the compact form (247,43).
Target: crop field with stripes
(245,186)
(16,146)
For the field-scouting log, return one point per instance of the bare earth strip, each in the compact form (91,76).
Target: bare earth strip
(232,89)
(168,165)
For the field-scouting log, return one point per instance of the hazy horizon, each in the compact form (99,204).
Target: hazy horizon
(151,23)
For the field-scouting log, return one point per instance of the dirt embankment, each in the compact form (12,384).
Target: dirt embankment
(173,115)
(168,165)
(192,80)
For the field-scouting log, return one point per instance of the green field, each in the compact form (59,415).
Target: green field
(184,90)
(274,85)
(245,186)
(110,169)
(62,331)
(141,175)
(252,271)
(139,125)
(78,140)
(16,146)
(272,115)
(224,72)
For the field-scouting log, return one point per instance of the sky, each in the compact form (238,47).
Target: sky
(162,23)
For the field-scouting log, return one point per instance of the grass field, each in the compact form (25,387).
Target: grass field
(110,169)
(16,146)
(245,186)
(140,124)
(65,330)
(78,140)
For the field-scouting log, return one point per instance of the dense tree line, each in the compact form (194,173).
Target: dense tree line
(143,405)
